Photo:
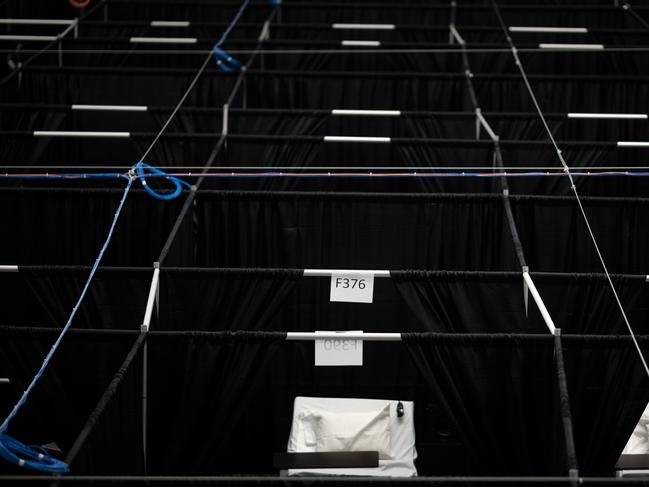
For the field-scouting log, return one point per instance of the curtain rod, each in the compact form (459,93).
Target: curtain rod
(296,139)
(95,24)
(269,73)
(261,271)
(249,336)
(329,195)
(319,111)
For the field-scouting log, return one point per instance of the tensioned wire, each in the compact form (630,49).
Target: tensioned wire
(566,168)
(358,50)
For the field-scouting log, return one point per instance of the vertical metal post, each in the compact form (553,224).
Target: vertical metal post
(451,23)
(148,313)
(145,391)
(106,12)
(564,405)
(60,53)
(244,95)
(224,127)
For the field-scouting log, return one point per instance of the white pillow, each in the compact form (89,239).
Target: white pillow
(357,431)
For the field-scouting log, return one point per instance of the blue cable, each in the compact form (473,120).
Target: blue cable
(142,169)
(34,457)
(10,448)
(224,61)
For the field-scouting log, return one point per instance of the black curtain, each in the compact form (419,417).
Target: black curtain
(608,390)
(201,393)
(79,372)
(499,395)
(68,226)
(459,302)
(325,230)
(115,300)
(223,300)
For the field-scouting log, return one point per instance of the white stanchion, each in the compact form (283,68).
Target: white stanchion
(37,21)
(163,40)
(80,134)
(170,23)
(632,143)
(369,113)
(355,43)
(549,30)
(350,138)
(585,47)
(539,302)
(329,272)
(327,335)
(364,26)
(621,116)
(27,38)
(153,292)
(110,108)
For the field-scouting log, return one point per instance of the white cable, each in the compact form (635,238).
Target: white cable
(572,185)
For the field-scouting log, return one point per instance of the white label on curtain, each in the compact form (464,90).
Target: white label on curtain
(352,288)
(338,351)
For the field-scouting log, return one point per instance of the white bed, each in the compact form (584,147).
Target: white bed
(396,446)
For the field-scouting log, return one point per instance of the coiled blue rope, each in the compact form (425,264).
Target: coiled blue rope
(142,169)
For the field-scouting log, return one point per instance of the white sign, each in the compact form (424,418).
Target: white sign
(352,288)
(338,351)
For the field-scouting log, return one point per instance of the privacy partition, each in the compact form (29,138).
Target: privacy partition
(196,196)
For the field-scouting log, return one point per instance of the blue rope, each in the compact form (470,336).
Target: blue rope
(142,169)
(11,448)
(224,61)
(34,457)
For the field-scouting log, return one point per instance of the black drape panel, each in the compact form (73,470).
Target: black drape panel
(555,237)
(500,397)
(200,392)
(114,446)
(77,375)
(608,392)
(224,300)
(353,231)
(115,300)
(68,226)
(467,303)
(494,302)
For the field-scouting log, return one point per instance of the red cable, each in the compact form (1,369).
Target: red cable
(79,3)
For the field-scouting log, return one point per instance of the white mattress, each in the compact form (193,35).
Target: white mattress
(638,443)
(402,435)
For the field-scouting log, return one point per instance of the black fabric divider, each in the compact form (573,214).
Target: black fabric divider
(608,392)
(69,226)
(237,300)
(496,395)
(207,386)
(115,299)
(77,375)
(564,407)
(489,302)
(105,399)
(324,230)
